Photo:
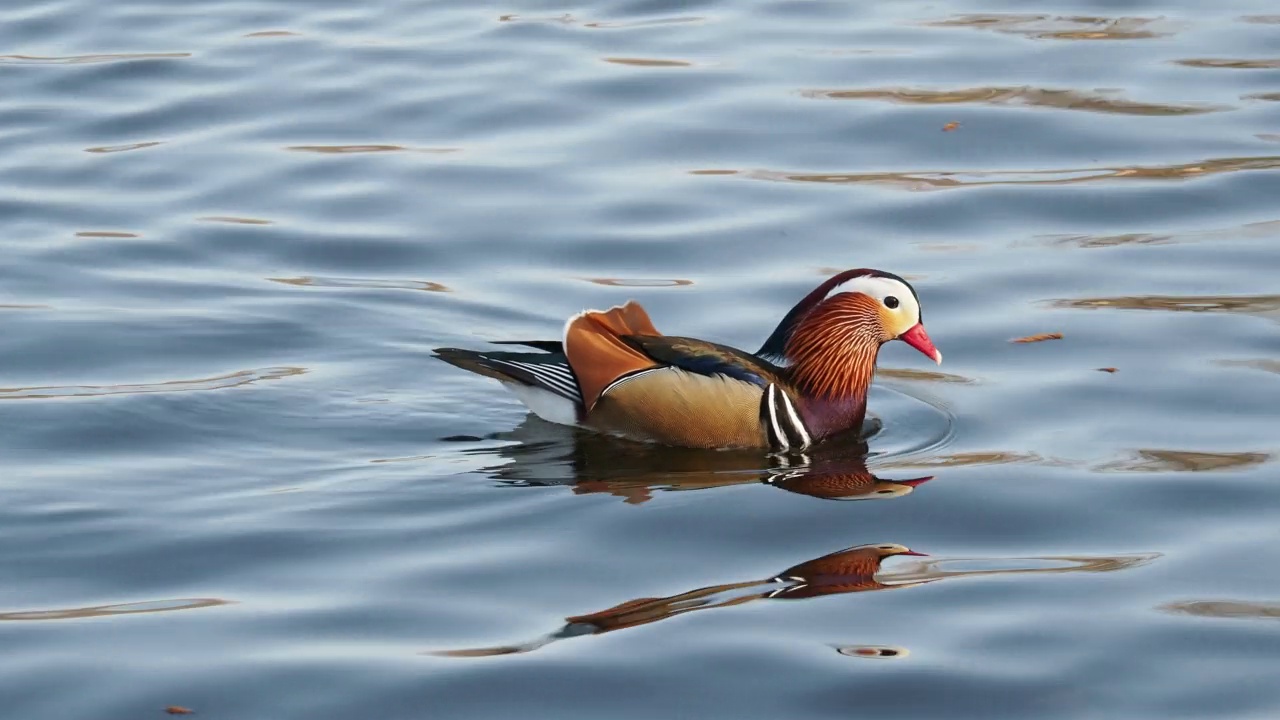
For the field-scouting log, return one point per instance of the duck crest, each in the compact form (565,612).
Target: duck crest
(776,346)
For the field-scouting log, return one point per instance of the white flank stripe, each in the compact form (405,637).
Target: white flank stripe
(795,420)
(773,420)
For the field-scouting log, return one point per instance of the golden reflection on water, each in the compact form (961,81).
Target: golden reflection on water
(639,282)
(1016,95)
(647,62)
(1266,365)
(220,382)
(852,570)
(948,180)
(368,283)
(1062,27)
(1232,63)
(567,19)
(1267,228)
(1159,461)
(135,608)
(106,234)
(913,375)
(235,220)
(372,148)
(1235,609)
(963,459)
(1247,304)
(87,59)
(123,148)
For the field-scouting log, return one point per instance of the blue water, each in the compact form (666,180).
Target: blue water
(235,481)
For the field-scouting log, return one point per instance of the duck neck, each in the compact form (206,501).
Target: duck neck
(832,383)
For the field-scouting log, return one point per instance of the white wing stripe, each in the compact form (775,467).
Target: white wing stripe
(628,378)
(549,377)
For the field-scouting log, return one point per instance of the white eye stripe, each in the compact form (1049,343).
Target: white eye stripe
(880,288)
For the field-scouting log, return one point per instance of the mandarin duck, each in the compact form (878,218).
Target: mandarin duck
(846,571)
(614,373)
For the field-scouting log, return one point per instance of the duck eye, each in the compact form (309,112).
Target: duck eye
(891,302)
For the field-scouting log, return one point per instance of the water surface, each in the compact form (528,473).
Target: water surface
(235,480)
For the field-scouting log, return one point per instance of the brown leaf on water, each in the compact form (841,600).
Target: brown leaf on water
(1038,338)
(950,126)
(1107,370)
(179,710)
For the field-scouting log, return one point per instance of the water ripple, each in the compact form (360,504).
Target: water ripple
(950,180)
(1246,304)
(235,220)
(1233,609)
(134,608)
(912,374)
(1062,27)
(370,148)
(1232,63)
(648,62)
(88,59)
(368,283)
(639,282)
(123,148)
(271,34)
(1263,364)
(1160,461)
(220,382)
(1057,99)
(106,234)
(1265,228)
(568,19)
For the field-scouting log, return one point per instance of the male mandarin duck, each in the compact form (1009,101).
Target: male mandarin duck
(615,373)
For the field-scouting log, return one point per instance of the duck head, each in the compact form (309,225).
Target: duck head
(831,338)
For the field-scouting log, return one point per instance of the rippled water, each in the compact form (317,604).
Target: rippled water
(235,480)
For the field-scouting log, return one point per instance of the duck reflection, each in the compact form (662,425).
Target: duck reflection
(852,570)
(847,571)
(547,455)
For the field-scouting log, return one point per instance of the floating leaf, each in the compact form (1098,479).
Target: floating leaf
(950,126)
